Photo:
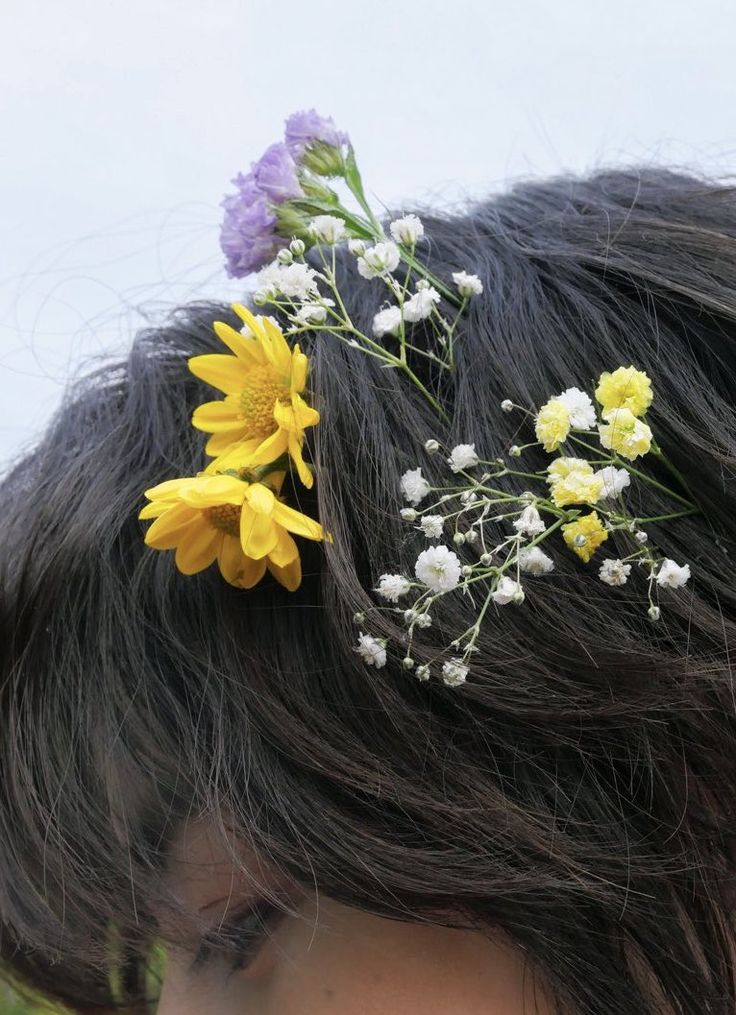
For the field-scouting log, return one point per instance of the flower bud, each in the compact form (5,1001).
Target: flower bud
(285,256)
(471,536)
(422,672)
(297,247)
(458,539)
(408,663)
(515,451)
(356,247)
(259,298)
(431,446)
(467,571)
(359,618)
(486,558)
(507,405)
(409,514)
(654,613)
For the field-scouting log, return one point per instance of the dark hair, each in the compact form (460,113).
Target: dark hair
(577,793)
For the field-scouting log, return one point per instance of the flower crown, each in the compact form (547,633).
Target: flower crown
(234,512)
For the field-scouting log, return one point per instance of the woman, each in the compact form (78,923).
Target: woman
(216,769)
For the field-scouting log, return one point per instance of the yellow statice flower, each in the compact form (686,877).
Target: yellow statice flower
(585,535)
(626,388)
(243,526)
(574,481)
(263,413)
(625,434)
(552,424)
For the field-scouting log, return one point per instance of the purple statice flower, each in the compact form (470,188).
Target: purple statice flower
(275,174)
(247,235)
(307,125)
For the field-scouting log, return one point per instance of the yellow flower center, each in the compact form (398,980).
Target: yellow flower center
(257,399)
(225,517)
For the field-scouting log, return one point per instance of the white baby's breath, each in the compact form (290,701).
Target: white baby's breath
(313,313)
(535,561)
(327,229)
(672,575)
(614,481)
(438,568)
(392,587)
(463,456)
(579,407)
(372,650)
(508,591)
(380,259)
(614,572)
(431,526)
(467,285)
(529,522)
(421,304)
(387,322)
(414,486)
(407,230)
(454,672)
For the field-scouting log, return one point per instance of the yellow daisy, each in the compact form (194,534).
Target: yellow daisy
(263,414)
(244,526)
(552,424)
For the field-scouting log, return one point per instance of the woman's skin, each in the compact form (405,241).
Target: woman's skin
(332,958)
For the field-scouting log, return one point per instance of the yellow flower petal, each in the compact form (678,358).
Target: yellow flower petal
(271,449)
(247,349)
(216,417)
(285,550)
(250,320)
(296,522)
(295,416)
(198,548)
(299,367)
(290,576)
(261,499)
(276,347)
(212,491)
(170,527)
(224,372)
(258,534)
(235,455)
(295,453)
(235,567)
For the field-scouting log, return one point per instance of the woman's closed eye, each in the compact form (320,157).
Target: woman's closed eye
(239,940)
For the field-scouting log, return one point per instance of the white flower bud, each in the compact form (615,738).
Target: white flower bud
(297,247)
(409,514)
(507,405)
(471,537)
(467,571)
(515,451)
(422,672)
(486,558)
(654,613)
(408,663)
(459,538)
(285,256)
(431,446)
(641,536)
(259,298)
(359,618)
(356,247)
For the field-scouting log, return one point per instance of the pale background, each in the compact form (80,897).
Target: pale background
(122,121)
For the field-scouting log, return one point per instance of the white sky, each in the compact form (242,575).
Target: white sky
(122,121)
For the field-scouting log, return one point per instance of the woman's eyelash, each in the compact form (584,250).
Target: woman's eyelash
(240,939)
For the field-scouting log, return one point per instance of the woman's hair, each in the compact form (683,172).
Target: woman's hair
(577,794)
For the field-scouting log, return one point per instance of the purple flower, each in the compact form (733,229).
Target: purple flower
(247,237)
(275,174)
(307,125)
